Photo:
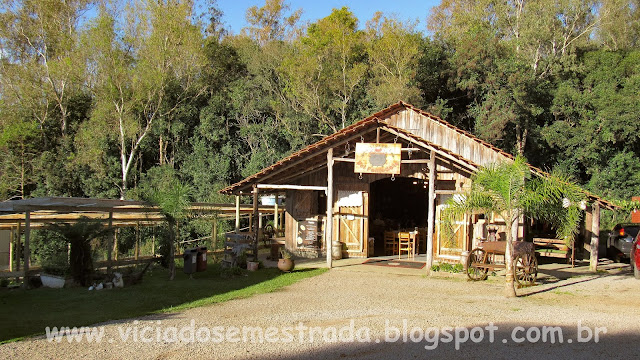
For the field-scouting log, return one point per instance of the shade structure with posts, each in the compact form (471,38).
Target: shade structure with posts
(21,216)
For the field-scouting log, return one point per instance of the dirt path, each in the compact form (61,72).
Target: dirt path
(380,305)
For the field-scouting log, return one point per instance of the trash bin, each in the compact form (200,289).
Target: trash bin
(190,258)
(201,263)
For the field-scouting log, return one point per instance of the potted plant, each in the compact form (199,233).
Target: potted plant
(285,264)
(53,276)
(54,270)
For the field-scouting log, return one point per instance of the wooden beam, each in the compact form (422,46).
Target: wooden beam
(595,236)
(431,211)
(415,161)
(328,231)
(292,187)
(350,160)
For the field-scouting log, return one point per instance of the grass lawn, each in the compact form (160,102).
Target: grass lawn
(28,312)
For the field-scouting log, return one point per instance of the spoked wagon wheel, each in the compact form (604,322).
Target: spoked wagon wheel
(476,258)
(525,269)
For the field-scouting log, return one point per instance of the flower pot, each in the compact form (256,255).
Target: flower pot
(285,265)
(252,265)
(52,281)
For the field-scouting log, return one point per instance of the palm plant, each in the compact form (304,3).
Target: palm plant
(162,188)
(510,190)
(79,235)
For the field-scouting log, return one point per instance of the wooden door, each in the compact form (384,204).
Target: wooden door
(353,226)
(450,242)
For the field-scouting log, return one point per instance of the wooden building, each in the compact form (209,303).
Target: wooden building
(323,181)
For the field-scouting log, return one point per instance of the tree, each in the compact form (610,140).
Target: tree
(143,72)
(41,65)
(393,50)
(619,24)
(325,69)
(269,23)
(161,187)
(505,55)
(79,235)
(596,123)
(508,189)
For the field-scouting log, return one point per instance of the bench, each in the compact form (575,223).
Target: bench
(236,244)
(555,248)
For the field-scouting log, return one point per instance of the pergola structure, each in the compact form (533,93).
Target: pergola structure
(20,216)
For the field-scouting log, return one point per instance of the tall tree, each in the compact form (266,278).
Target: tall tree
(270,22)
(325,69)
(41,65)
(596,122)
(393,50)
(505,54)
(143,71)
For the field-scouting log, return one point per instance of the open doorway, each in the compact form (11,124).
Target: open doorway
(396,205)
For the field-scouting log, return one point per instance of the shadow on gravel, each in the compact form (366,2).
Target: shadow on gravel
(541,288)
(510,341)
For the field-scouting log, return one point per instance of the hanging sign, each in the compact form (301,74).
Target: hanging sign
(378,158)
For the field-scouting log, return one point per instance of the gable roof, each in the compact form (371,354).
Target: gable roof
(313,157)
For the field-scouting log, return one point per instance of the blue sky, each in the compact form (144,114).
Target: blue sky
(234,10)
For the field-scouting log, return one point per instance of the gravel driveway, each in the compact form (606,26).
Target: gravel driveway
(363,312)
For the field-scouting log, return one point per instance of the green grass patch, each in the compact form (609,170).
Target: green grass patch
(560,292)
(28,312)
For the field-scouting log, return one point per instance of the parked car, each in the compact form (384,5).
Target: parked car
(620,241)
(634,255)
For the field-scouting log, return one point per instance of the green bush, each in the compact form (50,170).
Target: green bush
(446,267)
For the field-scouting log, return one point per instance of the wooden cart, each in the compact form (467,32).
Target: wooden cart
(483,258)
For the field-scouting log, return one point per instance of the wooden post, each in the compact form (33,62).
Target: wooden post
(255,228)
(237,213)
(18,246)
(11,246)
(328,231)
(431,211)
(112,233)
(276,220)
(136,251)
(595,237)
(153,242)
(214,239)
(115,244)
(27,236)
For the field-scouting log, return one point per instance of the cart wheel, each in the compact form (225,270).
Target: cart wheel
(476,257)
(525,269)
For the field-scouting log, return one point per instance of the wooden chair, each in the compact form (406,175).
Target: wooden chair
(390,243)
(407,243)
